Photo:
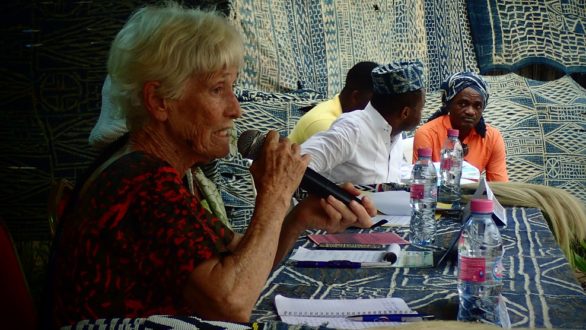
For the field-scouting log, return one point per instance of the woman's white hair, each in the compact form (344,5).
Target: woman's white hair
(168,44)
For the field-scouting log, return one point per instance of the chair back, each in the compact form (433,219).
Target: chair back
(59,195)
(17,307)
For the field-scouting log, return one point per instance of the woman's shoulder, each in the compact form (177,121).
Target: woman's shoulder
(139,164)
(435,125)
(492,132)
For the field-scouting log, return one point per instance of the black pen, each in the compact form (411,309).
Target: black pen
(327,264)
(351,246)
(390,317)
(377,224)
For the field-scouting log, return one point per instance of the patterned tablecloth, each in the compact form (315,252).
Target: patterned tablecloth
(539,286)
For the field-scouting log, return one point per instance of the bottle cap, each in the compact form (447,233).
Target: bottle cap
(424,152)
(452,132)
(481,205)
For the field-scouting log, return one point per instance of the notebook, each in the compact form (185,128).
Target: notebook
(333,313)
(356,240)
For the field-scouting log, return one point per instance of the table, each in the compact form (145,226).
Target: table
(539,286)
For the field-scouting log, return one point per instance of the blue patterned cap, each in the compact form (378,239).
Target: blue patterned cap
(457,82)
(398,77)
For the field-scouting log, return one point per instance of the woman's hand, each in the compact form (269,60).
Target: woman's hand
(333,215)
(278,170)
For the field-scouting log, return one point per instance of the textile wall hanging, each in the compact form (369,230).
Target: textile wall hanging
(511,34)
(449,42)
(312,44)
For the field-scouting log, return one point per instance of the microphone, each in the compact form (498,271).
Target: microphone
(250,145)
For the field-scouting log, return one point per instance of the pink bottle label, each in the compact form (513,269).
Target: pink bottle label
(472,269)
(417,190)
(446,164)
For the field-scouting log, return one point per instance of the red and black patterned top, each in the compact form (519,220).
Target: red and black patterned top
(128,248)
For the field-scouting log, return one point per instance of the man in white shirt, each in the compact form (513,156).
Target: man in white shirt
(366,147)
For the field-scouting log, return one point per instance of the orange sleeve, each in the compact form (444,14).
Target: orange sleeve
(496,168)
(421,139)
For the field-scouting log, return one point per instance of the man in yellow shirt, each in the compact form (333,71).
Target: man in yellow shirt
(355,95)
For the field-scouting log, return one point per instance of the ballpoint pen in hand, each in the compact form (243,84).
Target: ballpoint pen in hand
(390,317)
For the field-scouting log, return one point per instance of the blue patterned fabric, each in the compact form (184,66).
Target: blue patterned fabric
(284,45)
(511,34)
(543,126)
(540,289)
(398,77)
(313,44)
(449,41)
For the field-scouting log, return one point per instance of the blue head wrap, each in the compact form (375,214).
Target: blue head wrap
(397,77)
(456,83)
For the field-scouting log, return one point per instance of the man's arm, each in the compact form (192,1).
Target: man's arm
(320,125)
(333,147)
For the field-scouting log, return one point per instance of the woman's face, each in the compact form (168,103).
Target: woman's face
(466,109)
(204,117)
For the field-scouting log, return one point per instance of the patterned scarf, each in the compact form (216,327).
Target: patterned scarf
(212,200)
(456,83)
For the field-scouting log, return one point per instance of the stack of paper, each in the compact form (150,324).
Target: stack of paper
(334,313)
(394,207)
(368,258)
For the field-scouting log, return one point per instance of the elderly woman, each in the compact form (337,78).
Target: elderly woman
(464,98)
(136,242)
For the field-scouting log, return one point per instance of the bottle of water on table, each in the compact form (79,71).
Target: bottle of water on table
(480,268)
(423,199)
(450,170)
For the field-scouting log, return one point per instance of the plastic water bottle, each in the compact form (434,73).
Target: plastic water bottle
(450,170)
(423,199)
(480,268)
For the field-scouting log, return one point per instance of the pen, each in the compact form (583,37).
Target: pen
(351,246)
(377,224)
(327,264)
(390,317)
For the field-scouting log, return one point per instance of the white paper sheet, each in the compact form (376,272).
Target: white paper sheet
(393,220)
(392,202)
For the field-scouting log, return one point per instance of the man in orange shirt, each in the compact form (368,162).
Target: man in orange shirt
(464,98)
